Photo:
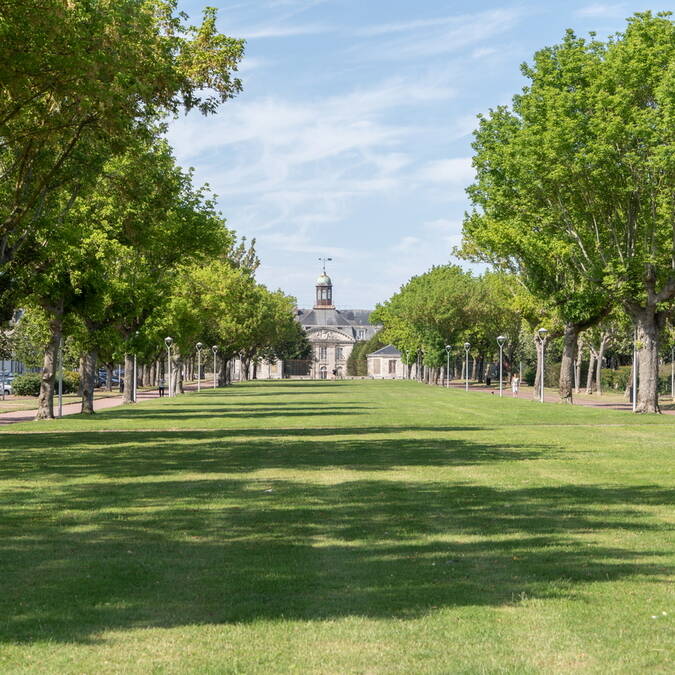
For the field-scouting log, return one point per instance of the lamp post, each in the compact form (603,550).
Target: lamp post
(448,349)
(541,332)
(467,346)
(169,341)
(134,385)
(199,346)
(501,339)
(214,349)
(61,377)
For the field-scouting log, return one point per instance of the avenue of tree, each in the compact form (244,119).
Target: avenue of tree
(575,187)
(574,209)
(104,241)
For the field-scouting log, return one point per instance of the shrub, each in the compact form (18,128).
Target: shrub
(27,384)
(616,379)
(71,382)
(551,374)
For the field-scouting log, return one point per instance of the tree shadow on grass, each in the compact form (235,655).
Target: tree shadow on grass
(181,414)
(137,454)
(86,557)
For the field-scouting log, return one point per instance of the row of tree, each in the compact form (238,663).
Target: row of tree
(575,188)
(448,307)
(103,238)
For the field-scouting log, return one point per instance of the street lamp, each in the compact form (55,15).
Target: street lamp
(169,341)
(542,338)
(199,346)
(214,349)
(501,339)
(134,384)
(448,349)
(467,346)
(60,366)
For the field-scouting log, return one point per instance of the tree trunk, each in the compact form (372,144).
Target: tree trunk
(88,382)
(474,370)
(577,366)
(591,369)
(180,376)
(81,372)
(108,376)
(176,373)
(46,397)
(128,396)
(604,341)
(566,382)
(647,325)
(536,394)
(221,371)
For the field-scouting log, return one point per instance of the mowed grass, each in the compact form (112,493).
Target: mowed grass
(338,527)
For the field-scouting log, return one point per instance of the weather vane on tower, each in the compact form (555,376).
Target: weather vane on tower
(324,261)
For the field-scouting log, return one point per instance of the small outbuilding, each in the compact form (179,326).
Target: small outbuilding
(386,364)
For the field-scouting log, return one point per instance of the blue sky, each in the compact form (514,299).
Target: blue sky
(352,137)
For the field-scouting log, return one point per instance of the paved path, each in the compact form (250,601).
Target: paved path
(73,408)
(526,394)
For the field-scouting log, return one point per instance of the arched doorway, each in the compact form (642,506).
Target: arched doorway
(323,373)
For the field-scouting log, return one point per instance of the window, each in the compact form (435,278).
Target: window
(338,353)
(323,373)
(323,353)
(376,366)
(392,367)
(360,333)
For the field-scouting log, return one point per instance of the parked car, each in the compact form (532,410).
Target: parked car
(7,388)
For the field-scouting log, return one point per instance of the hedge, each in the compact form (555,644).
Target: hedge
(28,384)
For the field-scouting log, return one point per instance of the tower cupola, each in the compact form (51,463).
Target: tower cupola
(324,289)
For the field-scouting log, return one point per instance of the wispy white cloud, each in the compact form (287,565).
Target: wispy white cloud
(483,52)
(599,9)
(431,37)
(406,244)
(456,171)
(405,26)
(443,226)
(281,31)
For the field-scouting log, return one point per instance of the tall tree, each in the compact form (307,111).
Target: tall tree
(579,174)
(79,81)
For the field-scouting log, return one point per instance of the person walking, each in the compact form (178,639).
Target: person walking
(162,386)
(515,384)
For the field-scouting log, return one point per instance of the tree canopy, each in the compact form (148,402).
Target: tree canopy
(574,186)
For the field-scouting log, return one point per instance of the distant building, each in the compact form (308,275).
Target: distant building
(386,364)
(332,334)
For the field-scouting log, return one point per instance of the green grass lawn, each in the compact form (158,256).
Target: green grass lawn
(335,527)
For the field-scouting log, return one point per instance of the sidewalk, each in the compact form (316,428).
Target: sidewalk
(550,396)
(73,408)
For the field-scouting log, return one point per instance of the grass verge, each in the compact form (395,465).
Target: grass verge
(338,527)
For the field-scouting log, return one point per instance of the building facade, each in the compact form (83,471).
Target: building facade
(386,364)
(332,334)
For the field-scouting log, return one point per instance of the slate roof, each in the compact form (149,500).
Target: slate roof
(389,350)
(351,321)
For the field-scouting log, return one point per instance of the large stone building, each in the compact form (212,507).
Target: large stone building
(331,332)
